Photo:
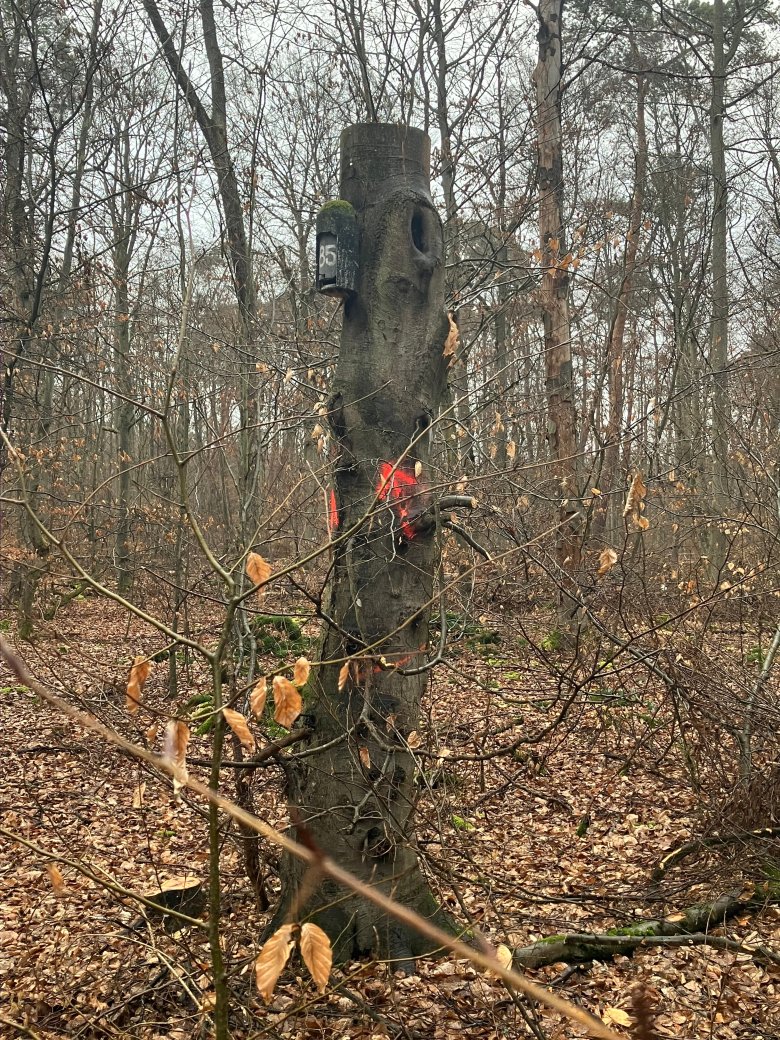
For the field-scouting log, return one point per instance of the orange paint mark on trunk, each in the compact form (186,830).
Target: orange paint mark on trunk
(397,488)
(333,511)
(390,665)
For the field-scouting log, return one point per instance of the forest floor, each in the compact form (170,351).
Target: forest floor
(560,835)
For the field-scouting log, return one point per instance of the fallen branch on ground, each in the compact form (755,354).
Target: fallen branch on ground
(715,841)
(689,928)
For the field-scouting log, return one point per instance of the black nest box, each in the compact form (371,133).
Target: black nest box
(338,244)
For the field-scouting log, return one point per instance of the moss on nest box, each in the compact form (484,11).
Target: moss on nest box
(338,206)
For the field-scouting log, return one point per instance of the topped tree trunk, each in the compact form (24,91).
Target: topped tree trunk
(354,787)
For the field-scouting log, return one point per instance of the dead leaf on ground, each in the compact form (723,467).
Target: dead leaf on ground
(614,1016)
(56,878)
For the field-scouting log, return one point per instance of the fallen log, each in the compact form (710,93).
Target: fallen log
(690,927)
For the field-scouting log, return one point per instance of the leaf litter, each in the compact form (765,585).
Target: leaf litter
(74,957)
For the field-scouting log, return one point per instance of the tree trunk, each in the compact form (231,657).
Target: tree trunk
(617,332)
(213,126)
(353,788)
(720,505)
(561,410)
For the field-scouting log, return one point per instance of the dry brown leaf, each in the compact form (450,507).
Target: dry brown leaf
(138,795)
(636,493)
(56,878)
(414,740)
(301,671)
(287,702)
(177,736)
(139,673)
(151,733)
(317,954)
(635,503)
(607,560)
(504,956)
(343,675)
(257,698)
(239,725)
(258,569)
(272,959)
(614,1016)
(365,757)
(451,342)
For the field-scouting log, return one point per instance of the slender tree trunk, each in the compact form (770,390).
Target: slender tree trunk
(617,332)
(213,126)
(354,791)
(26,265)
(455,429)
(124,416)
(721,414)
(561,409)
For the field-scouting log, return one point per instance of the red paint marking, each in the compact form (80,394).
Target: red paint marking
(396,487)
(333,511)
(399,663)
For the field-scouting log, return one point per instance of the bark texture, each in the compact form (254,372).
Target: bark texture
(353,788)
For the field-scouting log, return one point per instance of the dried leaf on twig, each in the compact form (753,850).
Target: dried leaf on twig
(451,342)
(287,702)
(272,959)
(257,698)
(139,673)
(177,736)
(607,560)
(635,502)
(301,671)
(317,954)
(239,725)
(258,569)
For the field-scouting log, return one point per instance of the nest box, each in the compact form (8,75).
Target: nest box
(338,245)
